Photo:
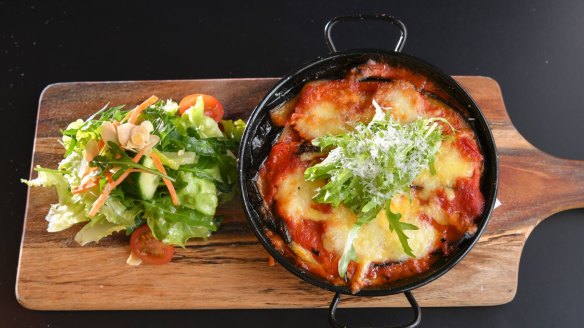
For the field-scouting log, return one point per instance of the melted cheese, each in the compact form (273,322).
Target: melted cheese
(329,107)
(320,119)
(330,110)
(375,242)
(449,166)
(406,104)
(294,199)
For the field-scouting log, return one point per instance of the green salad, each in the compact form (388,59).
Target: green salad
(161,164)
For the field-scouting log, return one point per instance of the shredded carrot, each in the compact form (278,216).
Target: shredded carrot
(111,185)
(108,177)
(100,200)
(86,172)
(167,182)
(82,188)
(127,117)
(107,189)
(139,155)
(87,178)
(88,169)
(125,175)
(86,183)
(271,261)
(100,144)
(138,110)
(122,177)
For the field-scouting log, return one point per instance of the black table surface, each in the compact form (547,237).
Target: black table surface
(534,49)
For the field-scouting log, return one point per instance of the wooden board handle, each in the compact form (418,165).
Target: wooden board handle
(563,186)
(535,185)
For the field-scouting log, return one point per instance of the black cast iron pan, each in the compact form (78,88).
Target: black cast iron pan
(260,134)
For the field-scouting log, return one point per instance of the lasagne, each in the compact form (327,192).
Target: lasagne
(442,202)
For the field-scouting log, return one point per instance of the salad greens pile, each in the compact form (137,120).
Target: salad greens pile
(110,179)
(366,168)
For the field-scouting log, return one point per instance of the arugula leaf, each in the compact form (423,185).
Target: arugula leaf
(105,164)
(396,225)
(164,121)
(349,251)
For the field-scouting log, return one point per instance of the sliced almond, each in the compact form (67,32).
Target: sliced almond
(91,150)
(139,137)
(108,132)
(148,126)
(124,133)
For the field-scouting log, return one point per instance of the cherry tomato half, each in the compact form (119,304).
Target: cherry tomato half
(149,249)
(213,107)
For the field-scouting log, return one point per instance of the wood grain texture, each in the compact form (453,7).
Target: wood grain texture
(230,269)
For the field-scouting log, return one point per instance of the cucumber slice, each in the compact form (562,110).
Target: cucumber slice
(142,185)
(147,182)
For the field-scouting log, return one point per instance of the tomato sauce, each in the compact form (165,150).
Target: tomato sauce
(281,159)
(467,205)
(308,234)
(449,235)
(324,208)
(469,148)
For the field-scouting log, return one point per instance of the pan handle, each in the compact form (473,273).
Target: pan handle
(417,312)
(363,17)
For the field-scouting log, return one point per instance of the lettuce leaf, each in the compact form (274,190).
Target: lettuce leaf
(96,230)
(176,224)
(117,213)
(175,159)
(68,211)
(64,215)
(233,130)
(51,178)
(198,194)
(170,107)
(68,141)
(205,126)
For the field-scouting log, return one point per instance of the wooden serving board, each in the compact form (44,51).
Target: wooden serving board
(230,269)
